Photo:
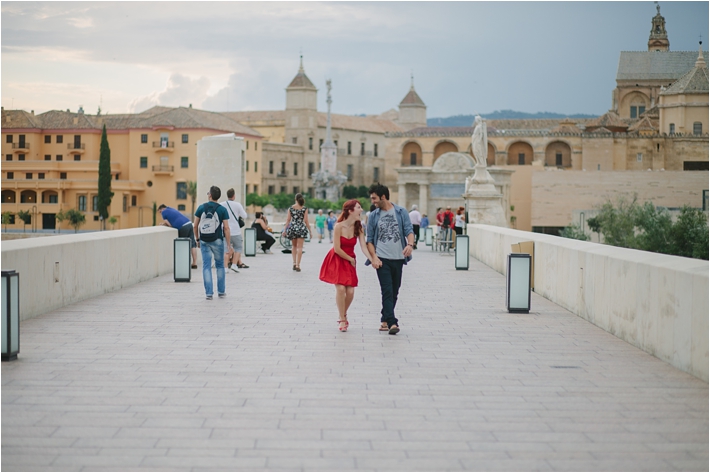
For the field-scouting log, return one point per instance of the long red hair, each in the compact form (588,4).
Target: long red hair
(348,207)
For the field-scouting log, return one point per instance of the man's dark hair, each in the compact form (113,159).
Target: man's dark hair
(230,193)
(162,206)
(258,215)
(215,192)
(379,190)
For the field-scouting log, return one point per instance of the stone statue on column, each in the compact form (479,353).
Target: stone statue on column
(483,201)
(328,180)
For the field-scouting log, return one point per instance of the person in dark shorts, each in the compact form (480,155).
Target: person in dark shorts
(173,218)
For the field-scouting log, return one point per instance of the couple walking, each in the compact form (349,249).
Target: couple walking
(388,247)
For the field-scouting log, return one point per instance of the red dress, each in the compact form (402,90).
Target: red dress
(335,269)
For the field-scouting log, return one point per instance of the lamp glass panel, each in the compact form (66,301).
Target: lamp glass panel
(4,314)
(249,242)
(182,258)
(14,314)
(462,251)
(422,233)
(429,236)
(519,282)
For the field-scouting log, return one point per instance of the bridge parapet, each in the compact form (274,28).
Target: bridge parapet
(56,271)
(656,302)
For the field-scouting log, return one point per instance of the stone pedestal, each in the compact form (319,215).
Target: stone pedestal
(483,201)
(220,162)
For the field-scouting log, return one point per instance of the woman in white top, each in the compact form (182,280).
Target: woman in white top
(460,220)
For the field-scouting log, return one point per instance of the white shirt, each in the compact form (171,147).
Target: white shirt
(460,221)
(234,208)
(415,217)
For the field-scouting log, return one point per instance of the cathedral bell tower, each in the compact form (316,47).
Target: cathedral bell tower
(658,39)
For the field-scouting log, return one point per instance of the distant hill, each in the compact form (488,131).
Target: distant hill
(467,120)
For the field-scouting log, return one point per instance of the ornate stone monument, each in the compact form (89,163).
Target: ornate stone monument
(328,180)
(483,201)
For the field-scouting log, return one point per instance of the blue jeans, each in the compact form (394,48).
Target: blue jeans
(208,249)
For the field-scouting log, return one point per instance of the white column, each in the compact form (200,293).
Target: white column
(402,195)
(424,198)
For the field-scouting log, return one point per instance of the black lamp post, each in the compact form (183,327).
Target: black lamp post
(10,315)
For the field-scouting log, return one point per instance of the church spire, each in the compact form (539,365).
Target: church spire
(658,39)
(701,60)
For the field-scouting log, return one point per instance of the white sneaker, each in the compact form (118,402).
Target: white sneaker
(234,268)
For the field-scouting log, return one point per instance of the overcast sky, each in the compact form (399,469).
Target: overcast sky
(467,57)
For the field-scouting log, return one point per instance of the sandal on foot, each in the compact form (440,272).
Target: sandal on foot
(393,330)
(345,327)
(384,327)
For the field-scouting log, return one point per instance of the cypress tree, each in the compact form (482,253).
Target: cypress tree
(105,193)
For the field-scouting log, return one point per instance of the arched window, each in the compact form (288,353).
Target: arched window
(444,147)
(520,153)
(8,197)
(28,197)
(558,154)
(411,154)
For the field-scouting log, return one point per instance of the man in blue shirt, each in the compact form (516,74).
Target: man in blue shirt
(390,239)
(173,218)
(211,233)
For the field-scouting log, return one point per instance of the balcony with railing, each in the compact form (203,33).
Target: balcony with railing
(282,174)
(21,146)
(163,169)
(163,145)
(76,148)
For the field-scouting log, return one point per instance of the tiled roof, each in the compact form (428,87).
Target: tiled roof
(658,65)
(412,98)
(645,124)
(610,121)
(566,127)
(19,119)
(250,117)
(695,81)
(180,117)
(349,122)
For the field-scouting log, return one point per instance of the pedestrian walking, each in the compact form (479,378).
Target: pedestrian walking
(390,239)
(320,225)
(339,266)
(211,233)
(416,218)
(297,229)
(234,246)
(330,222)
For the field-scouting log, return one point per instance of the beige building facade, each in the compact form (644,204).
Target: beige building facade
(50,162)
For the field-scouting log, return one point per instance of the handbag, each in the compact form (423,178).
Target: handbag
(239,219)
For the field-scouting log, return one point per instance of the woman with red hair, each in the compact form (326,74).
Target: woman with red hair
(339,264)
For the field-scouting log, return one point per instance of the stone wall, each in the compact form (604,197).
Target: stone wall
(658,303)
(66,269)
(557,194)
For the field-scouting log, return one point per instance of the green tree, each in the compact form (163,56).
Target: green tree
(653,228)
(192,192)
(26,218)
(6,217)
(574,232)
(112,220)
(258,200)
(75,218)
(618,222)
(104,192)
(362,191)
(594,225)
(60,217)
(282,201)
(689,234)
(349,192)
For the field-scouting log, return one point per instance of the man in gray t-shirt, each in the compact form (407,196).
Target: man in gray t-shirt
(390,239)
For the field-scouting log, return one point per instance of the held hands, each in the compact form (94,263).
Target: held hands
(376,262)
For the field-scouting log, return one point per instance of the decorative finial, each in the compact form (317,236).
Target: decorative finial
(301,53)
(412,76)
(658,8)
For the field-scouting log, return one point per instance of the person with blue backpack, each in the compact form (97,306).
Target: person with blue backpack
(211,234)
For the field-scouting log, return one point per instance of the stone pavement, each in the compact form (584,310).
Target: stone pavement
(154,377)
